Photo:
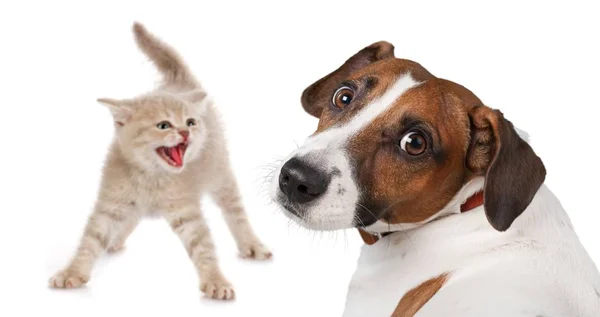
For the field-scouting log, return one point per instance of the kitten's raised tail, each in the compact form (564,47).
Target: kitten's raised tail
(166,59)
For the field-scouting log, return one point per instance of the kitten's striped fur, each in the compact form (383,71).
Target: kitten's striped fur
(136,182)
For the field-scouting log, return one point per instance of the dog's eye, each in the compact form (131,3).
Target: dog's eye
(342,97)
(413,143)
(164,125)
(190,122)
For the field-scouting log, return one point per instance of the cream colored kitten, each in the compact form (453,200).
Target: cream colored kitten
(168,149)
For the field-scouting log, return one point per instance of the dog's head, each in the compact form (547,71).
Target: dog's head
(396,145)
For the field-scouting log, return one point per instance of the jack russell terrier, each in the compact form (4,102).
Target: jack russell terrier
(448,197)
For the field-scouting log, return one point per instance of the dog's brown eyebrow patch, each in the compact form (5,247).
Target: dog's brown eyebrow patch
(414,299)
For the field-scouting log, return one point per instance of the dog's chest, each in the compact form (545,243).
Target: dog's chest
(384,274)
(389,269)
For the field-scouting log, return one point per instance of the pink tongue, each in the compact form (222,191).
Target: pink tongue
(174,151)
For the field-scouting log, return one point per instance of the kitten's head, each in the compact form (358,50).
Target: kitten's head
(160,132)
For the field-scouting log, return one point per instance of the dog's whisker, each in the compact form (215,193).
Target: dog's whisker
(367,209)
(362,224)
(407,237)
(345,242)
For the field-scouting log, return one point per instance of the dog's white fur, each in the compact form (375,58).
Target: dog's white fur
(512,266)
(336,208)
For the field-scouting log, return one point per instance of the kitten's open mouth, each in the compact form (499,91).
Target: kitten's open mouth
(173,155)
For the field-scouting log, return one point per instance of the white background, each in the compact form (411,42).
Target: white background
(538,63)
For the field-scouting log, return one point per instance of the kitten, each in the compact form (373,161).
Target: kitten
(168,149)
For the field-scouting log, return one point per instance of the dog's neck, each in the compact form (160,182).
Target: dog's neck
(471,203)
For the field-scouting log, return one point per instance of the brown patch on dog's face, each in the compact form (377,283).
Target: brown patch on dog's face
(451,139)
(407,188)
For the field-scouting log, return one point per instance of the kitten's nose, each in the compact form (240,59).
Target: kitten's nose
(184,134)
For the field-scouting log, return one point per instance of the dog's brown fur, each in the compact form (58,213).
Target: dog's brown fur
(414,299)
(468,140)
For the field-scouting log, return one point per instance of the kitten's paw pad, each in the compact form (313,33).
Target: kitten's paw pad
(218,289)
(255,251)
(68,279)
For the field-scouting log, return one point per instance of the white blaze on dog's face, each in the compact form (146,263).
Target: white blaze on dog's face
(395,145)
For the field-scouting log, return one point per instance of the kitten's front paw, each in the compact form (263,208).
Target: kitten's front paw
(255,251)
(68,279)
(218,288)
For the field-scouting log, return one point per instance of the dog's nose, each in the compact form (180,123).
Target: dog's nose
(301,182)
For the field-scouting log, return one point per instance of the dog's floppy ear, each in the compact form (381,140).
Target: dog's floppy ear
(317,96)
(513,172)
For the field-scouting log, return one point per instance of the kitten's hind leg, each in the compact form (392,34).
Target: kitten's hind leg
(105,221)
(228,198)
(187,221)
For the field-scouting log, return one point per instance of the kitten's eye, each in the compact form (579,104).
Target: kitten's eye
(413,143)
(190,122)
(342,97)
(164,125)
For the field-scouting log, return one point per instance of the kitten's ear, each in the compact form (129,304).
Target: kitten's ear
(120,109)
(197,97)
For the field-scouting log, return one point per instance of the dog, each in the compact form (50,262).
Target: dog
(447,194)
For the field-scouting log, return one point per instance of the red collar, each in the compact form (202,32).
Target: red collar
(471,203)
